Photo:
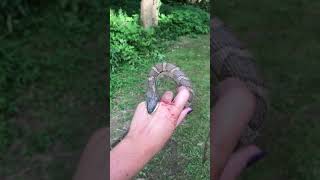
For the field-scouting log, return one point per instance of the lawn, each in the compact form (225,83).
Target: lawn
(285,40)
(182,156)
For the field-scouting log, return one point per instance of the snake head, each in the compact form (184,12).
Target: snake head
(152,101)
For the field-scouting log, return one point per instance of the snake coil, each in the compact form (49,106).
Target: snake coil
(169,70)
(231,58)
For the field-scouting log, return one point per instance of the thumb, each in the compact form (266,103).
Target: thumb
(241,159)
(183,114)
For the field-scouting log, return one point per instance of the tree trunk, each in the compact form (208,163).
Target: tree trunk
(149,13)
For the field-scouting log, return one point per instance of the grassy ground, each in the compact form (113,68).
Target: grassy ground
(285,40)
(62,102)
(182,157)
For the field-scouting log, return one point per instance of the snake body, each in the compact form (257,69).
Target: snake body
(230,58)
(169,70)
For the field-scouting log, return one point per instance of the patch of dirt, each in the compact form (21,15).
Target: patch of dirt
(118,127)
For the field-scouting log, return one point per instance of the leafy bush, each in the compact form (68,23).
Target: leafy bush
(29,21)
(13,10)
(182,21)
(130,43)
(203,4)
(15,75)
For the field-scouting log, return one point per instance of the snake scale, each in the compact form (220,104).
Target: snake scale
(171,71)
(230,58)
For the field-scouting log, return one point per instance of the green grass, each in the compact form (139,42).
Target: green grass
(285,39)
(182,157)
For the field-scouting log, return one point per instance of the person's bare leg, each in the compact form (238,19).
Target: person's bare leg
(93,162)
(232,112)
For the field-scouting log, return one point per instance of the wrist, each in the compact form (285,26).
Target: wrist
(141,144)
(129,157)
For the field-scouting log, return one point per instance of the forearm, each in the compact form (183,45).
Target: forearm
(129,157)
(93,163)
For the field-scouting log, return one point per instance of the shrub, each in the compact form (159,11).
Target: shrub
(15,75)
(19,67)
(128,41)
(183,20)
(12,11)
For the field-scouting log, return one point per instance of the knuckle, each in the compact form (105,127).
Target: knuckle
(141,104)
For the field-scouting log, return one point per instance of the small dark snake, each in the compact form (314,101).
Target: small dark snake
(168,70)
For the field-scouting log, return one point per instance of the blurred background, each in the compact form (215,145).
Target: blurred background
(285,40)
(52,84)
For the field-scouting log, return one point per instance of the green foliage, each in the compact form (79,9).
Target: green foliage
(128,41)
(183,20)
(24,64)
(9,6)
(12,11)
(5,135)
(131,44)
(203,4)
(14,76)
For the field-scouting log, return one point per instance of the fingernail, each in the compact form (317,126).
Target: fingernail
(256,158)
(190,111)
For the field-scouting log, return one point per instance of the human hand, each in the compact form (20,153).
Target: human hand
(154,130)
(148,134)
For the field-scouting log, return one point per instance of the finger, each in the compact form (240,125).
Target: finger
(167,97)
(183,115)
(180,88)
(141,109)
(190,94)
(184,87)
(142,106)
(182,98)
(239,160)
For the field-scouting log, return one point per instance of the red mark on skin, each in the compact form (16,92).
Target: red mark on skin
(167,103)
(171,113)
